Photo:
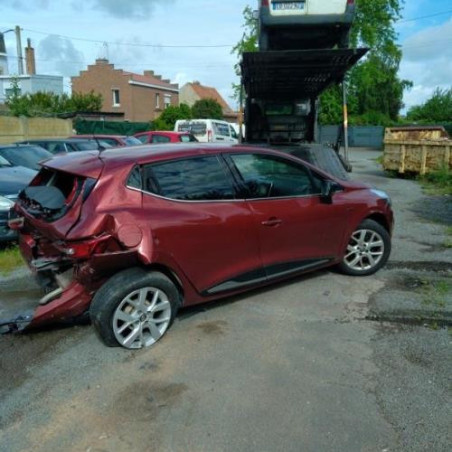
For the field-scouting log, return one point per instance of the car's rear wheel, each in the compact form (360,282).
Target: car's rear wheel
(367,250)
(134,308)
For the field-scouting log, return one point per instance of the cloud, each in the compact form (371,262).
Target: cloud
(136,9)
(429,43)
(60,56)
(427,61)
(25,4)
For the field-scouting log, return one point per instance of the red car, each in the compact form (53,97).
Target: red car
(112,140)
(131,236)
(159,137)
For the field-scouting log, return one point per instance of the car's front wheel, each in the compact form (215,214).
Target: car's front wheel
(367,250)
(134,308)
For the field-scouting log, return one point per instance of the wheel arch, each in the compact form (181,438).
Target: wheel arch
(380,219)
(171,274)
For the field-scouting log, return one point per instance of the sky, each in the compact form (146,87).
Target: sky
(186,40)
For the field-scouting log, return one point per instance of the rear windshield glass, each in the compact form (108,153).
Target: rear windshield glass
(187,138)
(28,157)
(86,145)
(52,193)
(196,128)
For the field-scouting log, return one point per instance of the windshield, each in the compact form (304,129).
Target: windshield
(29,156)
(4,162)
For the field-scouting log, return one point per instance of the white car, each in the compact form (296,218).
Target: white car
(304,24)
(208,130)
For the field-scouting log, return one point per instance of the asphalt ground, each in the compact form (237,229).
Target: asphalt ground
(294,367)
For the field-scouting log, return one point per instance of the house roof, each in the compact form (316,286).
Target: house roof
(149,80)
(207,92)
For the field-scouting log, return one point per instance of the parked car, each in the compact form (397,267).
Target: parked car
(162,136)
(12,180)
(147,232)
(304,24)
(64,145)
(112,140)
(208,130)
(28,156)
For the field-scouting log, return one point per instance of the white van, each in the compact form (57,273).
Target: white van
(208,130)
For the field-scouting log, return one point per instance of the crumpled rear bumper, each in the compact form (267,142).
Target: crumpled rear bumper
(68,304)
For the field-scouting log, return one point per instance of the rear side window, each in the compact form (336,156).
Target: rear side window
(196,179)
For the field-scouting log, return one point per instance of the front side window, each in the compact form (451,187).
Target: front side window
(266,176)
(195,179)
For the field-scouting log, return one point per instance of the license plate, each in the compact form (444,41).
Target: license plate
(288,6)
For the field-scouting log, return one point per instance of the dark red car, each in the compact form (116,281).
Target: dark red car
(131,236)
(163,136)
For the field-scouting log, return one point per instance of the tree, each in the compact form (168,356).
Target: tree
(50,104)
(207,109)
(248,43)
(170,115)
(437,109)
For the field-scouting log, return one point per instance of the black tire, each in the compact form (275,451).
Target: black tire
(373,234)
(116,297)
(322,157)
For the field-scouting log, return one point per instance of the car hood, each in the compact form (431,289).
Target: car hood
(14,178)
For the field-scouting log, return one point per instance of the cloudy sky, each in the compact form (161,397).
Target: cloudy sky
(187,40)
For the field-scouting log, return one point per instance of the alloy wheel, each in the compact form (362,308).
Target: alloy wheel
(142,317)
(365,250)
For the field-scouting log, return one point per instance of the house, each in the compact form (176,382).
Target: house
(192,92)
(138,97)
(28,83)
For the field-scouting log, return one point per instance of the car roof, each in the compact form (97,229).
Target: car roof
(17,145)
(52,140)
(98,135)
(155,152)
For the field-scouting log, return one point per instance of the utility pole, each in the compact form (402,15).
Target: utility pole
(20,59)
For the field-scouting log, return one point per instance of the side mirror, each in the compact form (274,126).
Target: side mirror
(328,188)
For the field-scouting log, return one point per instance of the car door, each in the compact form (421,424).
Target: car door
(198,224)
(296,229)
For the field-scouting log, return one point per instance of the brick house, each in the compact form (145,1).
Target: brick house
(192,92)
(139,97)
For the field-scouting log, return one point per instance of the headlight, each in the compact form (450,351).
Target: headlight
(5,203)
(382,194)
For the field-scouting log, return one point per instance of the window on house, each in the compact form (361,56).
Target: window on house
(116,98)
(167,100)
(157,100)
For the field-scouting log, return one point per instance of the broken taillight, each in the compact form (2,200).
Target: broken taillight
(84,249)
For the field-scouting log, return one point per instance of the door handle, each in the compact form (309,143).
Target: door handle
(272,222)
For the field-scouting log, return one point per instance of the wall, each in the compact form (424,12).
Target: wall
(14,129)
(32,84)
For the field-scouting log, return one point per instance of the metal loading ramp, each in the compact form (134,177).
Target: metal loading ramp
(301,74)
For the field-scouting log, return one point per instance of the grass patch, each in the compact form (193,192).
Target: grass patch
(434,293)
(10,259)
(437,182)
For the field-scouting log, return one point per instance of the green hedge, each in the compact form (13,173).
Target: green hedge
(86,127)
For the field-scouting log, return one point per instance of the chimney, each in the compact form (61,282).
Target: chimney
(148,73)
(30,58)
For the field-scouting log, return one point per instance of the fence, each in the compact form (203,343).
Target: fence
(358,136)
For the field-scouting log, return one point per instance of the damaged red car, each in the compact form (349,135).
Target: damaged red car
(129,236)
